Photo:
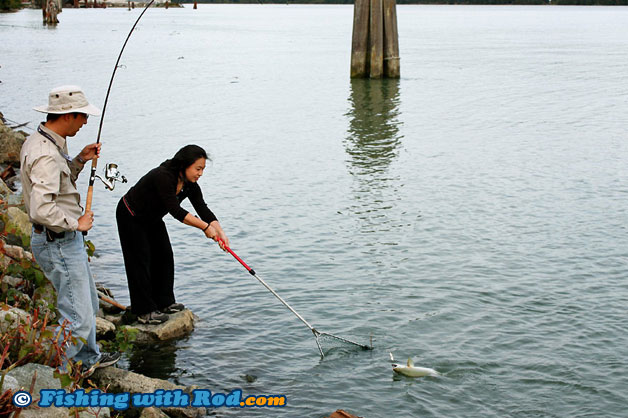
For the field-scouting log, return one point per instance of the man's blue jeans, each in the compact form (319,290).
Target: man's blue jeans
(64,262)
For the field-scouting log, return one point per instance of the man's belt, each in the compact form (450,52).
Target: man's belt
(50,234)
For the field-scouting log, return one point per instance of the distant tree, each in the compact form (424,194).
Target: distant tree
(7,5)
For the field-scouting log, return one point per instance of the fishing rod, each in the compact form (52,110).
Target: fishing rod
(92,176)
(317,334)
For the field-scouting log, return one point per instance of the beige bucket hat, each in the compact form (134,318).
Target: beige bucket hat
(68,99)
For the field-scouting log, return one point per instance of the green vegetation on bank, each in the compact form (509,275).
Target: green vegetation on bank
(8,5)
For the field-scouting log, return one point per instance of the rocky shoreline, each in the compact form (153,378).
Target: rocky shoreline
(26,297)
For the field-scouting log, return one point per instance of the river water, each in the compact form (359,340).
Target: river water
(471,215)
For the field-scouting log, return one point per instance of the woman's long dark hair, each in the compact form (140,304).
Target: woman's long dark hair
(184,158)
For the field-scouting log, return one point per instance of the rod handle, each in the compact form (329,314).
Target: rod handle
(250,270)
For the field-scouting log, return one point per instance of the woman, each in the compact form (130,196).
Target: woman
(148,258)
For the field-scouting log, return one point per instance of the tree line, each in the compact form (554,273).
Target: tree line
(7,5)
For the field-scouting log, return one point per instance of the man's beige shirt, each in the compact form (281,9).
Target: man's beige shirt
(48,182)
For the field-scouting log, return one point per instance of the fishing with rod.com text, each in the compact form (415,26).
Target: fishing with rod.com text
(199,398)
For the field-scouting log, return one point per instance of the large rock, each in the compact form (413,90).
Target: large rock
(12,318)
(5,192)
(4,262)
(15,252)
(10,383)
(18,228)
(45,380)
(114,319)
(118,380)
(45,377)
(20,220)
(12,281)
(153,412)
(10,145)
(177,326)
(104,329)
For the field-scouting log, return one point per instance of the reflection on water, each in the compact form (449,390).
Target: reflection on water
(372,144)
(373,135)
(157,360)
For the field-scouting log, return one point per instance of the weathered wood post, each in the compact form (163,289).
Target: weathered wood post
(375,41)
(195,7)
(391,40)
(360,40)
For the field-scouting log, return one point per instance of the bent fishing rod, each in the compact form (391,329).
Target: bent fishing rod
(316,332)
(92,176)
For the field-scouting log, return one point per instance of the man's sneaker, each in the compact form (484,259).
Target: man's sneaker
(174,308)
(87,371)
(108,359)
(152,318)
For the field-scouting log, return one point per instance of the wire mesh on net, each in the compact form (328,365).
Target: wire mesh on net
(327,342)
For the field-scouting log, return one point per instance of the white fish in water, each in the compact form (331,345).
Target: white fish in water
(411,370)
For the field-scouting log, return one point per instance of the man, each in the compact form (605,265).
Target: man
(53,205)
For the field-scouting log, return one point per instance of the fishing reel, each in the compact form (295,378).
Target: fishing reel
(111,176)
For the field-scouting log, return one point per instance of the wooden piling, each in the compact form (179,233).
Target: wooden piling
(376,40)
(195,7)
(359,42)
(391,40)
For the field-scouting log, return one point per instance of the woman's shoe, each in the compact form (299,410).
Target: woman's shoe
(174,308)
(152,318)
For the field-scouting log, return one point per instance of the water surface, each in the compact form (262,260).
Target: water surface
(471,215)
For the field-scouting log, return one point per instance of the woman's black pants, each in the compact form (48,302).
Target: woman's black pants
(148,261)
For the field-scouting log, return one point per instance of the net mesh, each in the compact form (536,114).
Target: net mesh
(329,342)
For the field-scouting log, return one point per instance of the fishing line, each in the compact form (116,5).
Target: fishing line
(320,336)
(92,176)
(18,124)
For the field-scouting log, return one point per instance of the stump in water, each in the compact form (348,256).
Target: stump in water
(50,12)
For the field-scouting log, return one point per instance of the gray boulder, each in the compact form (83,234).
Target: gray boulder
(118,380)
(20,220)
(45,380)
(12,318)
(12,281)
(153,412)
(18,228)
(10,145)
(10,383)
(177,326)
(5,192)
(105,330)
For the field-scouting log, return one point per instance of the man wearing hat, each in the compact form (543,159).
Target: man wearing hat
(53,204)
